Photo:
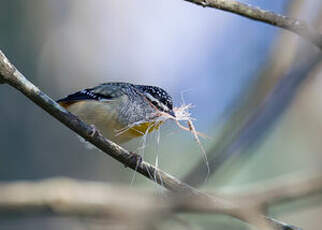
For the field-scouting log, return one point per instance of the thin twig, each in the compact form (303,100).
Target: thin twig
(297,26)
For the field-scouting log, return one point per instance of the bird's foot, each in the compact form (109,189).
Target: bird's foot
(94,132)
(134,159)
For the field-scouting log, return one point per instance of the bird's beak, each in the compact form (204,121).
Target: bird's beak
(171,113)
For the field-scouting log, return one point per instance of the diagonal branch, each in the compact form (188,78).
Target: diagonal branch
(297,26)
(10,75)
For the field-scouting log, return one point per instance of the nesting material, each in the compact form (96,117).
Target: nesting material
(182,114)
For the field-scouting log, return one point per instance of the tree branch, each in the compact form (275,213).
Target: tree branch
(285,189)
(10,75)
(99,200)
(297,26)
(278,64)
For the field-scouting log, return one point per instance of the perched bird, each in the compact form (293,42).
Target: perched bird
(120,111)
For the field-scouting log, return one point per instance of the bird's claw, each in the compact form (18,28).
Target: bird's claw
(134,159)
(94,132)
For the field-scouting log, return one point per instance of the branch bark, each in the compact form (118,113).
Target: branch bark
(297,26)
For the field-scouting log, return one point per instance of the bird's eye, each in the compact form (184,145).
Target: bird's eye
(170,106)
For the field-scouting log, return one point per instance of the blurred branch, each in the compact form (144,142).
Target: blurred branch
(279,62)
(68,197)
(72,197)
(259,121)
(317,22)
(297,26)
(281,57)
(284,189)
(94,199)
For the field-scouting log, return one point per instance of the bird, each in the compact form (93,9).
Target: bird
(120,111)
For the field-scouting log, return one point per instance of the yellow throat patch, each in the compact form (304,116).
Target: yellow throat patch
(140,130)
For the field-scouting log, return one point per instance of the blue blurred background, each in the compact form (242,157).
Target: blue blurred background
(208,56)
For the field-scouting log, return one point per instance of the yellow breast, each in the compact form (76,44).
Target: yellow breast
(140,130)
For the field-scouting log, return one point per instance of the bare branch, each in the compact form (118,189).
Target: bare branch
(70,197)
(6,68)
(9,74)
(285,189)
(297,26)
(13,77)
(62,196)
(94,199)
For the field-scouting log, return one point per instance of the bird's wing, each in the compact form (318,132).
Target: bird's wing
(105,92)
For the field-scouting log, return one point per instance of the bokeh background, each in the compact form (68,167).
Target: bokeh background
(209,56)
